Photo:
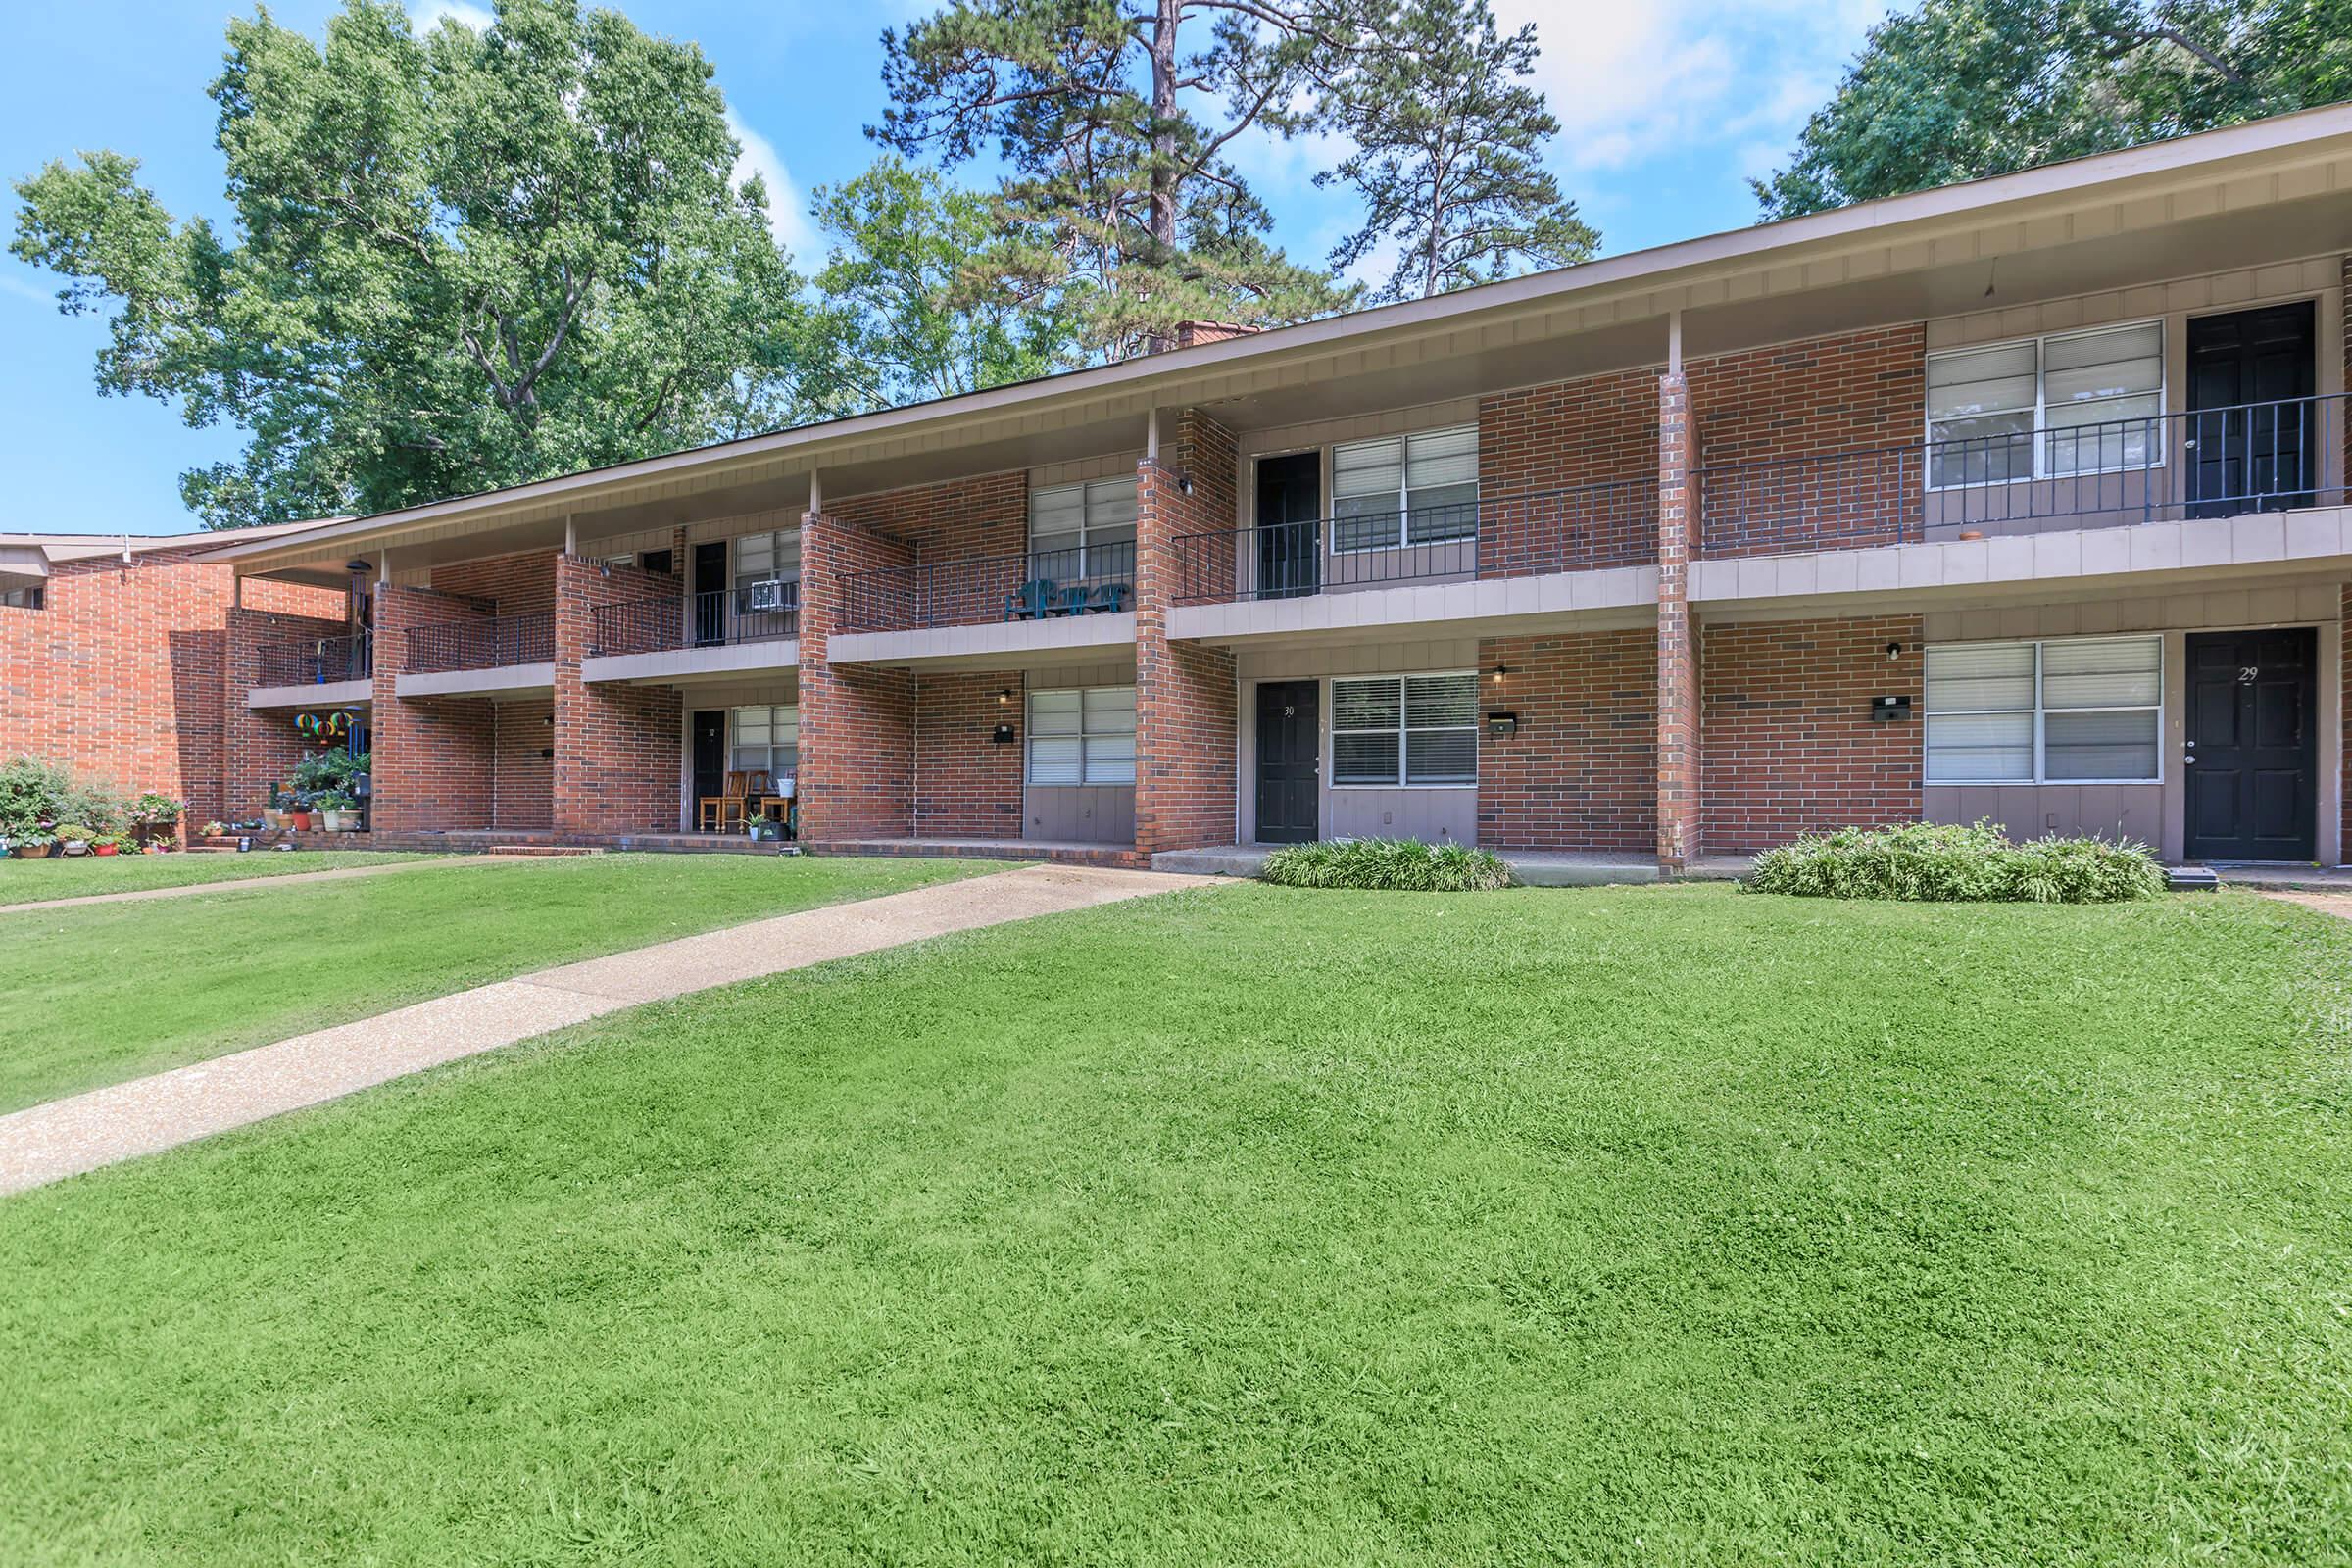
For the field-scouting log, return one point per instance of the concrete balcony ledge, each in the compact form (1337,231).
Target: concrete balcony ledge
(1599,597)
(505,680)
(671,665)
(989,644)
(2250,545)
(313,693)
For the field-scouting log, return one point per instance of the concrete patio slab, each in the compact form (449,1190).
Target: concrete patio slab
(63,1138)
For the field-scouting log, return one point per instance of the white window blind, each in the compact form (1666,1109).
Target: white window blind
(763,558)
(765,737)
(1405,490)
(2072,403)
(1082,735)
(1081,530)
(2077,710)
(1404,729)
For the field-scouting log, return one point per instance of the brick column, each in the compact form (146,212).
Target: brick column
(1187,696)
(435,760)
(620,748)
(1678,640)
(856,777)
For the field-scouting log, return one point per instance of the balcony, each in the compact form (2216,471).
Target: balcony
(756,627)
(313,671)
(494,654)
(1525,534)
(2209,463)
(1011,607)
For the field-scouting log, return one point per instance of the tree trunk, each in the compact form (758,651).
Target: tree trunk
(1164,147)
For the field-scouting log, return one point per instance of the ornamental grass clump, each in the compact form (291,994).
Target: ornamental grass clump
(1924,862)
(1391,865)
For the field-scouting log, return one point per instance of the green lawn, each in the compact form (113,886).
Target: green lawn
(101,993)
(32,881)
(1250,1226)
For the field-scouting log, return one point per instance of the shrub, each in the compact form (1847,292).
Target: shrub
(34,794)
(1400,866)
(1931,863)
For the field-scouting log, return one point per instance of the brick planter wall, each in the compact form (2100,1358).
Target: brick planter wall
(1581,772)
(1790,747)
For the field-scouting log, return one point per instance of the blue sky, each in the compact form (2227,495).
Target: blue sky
(1667,107)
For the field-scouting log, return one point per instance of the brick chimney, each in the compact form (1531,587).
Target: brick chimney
(1193,334)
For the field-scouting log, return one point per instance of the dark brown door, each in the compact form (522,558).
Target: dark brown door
(2253,752)
(709,750)
(2252,442)
(711,593)
(1290,749)
(1290,504)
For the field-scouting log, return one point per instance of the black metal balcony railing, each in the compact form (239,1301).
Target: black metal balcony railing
(1039,585)
(1584,526)
(314,660)
(762,612)
(2253,457)
(490,642)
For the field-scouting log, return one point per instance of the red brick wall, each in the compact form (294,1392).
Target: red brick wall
(1580,774)
(618,761)
(435,758)
(2345,720)
(964,782)
(1185,694)
(857,724)
(984,516)
(122,673)
(1541,450)
(514,584)
(1825,395)
(1790,746)
(259,748)
(1681,737)
(523,776)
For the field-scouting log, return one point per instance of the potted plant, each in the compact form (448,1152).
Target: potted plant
(216,829)
(341,811)
(30,843)
(154,816)
(109,843)
(764,829)
(75,836)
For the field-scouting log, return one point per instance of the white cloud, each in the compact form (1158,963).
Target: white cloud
(430,13)
(787,207)
(23,289)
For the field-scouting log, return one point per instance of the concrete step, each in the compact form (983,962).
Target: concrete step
(541,851)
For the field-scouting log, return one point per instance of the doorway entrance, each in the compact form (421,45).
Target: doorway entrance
(2253,752)
(2253,441)
(1290,754)
(1290,502)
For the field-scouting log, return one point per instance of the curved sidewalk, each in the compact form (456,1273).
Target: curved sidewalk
(47,1143)
(240,884)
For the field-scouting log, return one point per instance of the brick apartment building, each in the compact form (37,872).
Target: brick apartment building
(2024,500)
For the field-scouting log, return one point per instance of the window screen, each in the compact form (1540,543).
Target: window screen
(1405,490)
(2078,710)
(2050,406)
(1083,530)
(765,737)
(1082,735)
(1404,729)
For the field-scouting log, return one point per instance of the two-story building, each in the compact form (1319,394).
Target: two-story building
(2020,500)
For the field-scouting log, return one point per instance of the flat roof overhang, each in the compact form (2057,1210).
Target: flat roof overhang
(2269,191)
(316,694)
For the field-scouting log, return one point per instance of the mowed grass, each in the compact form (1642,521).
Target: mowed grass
(1255,1226)
(74,877)
(102,992)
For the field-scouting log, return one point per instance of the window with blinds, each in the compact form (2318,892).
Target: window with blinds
(1082,735)
(765,737)
(1083,530)
(768,570)
(2080,710)
(1402,490)
(1413,730)
(2053,407)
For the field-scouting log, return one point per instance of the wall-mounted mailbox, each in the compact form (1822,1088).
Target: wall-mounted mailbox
(1890,709)
(1501,725)
(1002,735)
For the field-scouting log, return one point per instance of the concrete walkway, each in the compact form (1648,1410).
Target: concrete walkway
(291,879)
(2339,904)
(46,1143)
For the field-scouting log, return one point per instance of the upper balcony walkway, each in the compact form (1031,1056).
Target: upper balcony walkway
(1037,604)
(481,657)
(313,671)
(668,638)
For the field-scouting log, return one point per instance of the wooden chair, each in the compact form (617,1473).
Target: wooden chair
(713,813)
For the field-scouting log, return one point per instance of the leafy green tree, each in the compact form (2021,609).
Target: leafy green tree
(1113,119)
(457,262)
(1448,155)
(902,328)
(1961,89)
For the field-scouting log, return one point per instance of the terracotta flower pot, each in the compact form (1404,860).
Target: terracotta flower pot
(300,820)
(104,849)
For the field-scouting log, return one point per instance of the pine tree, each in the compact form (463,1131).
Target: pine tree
(1114,117)
(1448,155)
